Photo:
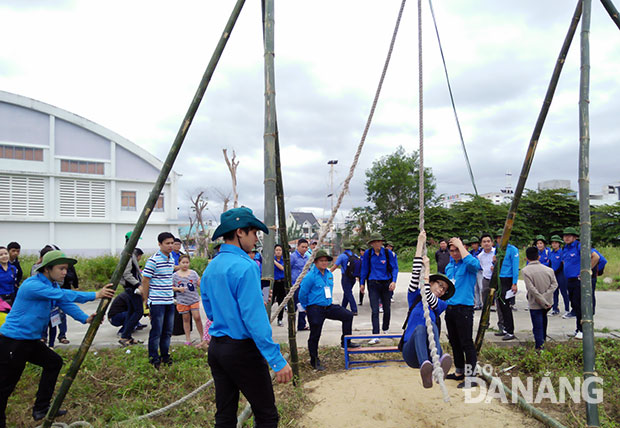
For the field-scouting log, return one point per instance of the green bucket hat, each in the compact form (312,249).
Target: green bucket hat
(347,245)
(466,241)
(540,238)
(128,235)
(389,243)
(570,231)
(474,240)
(557,238)
(499,232)
(55,257)
(236,218)
(375,237)
(322,253)
(444,278)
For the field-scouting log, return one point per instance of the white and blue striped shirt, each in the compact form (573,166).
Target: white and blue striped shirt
(159,270)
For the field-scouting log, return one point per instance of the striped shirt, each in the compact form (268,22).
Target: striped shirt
(159,270)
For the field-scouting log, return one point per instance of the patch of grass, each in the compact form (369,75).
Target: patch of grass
(563,360)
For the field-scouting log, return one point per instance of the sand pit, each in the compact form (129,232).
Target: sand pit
(393,396)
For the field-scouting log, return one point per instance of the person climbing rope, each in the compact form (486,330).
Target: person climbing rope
(241,349)
(414,343)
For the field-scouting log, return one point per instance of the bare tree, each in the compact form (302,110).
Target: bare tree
(199,205)
(232,167)
(224,197)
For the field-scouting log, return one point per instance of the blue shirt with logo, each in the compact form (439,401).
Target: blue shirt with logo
(510,264)
(314,286)
(278,273)
(463,273)
(544,256)
(8,279)
(555,258)
(377,268)
(571,257)
(233,300)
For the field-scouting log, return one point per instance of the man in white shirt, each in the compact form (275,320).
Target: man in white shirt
(486,263)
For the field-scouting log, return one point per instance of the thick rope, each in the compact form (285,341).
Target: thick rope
(347,181)
(438,373)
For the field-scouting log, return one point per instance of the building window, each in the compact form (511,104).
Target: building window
(22,196)
(159,205)
(82,198)
(81,167)
(21,153)
(128,200)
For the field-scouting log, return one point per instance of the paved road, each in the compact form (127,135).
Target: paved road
(558,328)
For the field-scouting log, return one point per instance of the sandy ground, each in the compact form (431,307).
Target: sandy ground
(393,396)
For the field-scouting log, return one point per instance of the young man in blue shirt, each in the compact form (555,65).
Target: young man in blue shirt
(380,271)
(315,294)
(462,271)
(14,250)
(508,278)
(344,260)
(298,260)
(176,252)
(35,306)
(555,262)
(241,349)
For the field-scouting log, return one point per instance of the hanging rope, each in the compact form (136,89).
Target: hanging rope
(438,373)
(347,181)
(458,123)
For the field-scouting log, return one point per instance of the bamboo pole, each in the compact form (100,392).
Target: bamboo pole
(527,163)
(286,259)
(587,321)
(144,215)
(613,12)
(269,140)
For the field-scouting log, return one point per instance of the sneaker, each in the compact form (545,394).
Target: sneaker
(500,333)
(354,314)
(578,335)
(426,372)
(466,384)
(316,364)
(454,376)
(373,341)
(37,415)
(508,336)
(156,364)
(446,364)
(568,315)
(351,345)
(380,308)
(279,323)
(553,313)
(385,332)
(392,299)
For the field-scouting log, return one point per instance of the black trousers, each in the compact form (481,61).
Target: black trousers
(317,316)
(504,305)
(460,323)
(379,293)
(574,294)
(279,293)
(237,365)
(14,354)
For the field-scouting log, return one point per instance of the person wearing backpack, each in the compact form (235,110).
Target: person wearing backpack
(349,263)
(380,270)
(414,342)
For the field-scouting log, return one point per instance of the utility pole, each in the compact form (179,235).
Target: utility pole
(331,164)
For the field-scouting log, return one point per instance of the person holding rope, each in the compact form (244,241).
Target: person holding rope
(37,303)
(438,288)
(241,336)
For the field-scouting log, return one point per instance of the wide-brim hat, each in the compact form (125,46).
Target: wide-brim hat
(556,238)
(375,237)
(55,257)
(540,238)
(499,232)
(466,241)
(474,239)
(451,289)
(347,245)
(322,253)
(570,231)
(237,218)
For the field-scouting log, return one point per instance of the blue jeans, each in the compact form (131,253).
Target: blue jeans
(119,319)
(379,292)
(162,321)
(62,327)
(134,314)
(347,288)
(415,350)
(539,326)
(561,289)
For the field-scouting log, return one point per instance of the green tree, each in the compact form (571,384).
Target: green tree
(392,184)
(548,212)
(606,225)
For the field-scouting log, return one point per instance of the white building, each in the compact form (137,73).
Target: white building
(71,182)
(609,195)
(307,224)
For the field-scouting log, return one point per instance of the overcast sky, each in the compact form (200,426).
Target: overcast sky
(133,67)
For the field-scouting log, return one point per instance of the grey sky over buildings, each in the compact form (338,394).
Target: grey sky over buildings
(134,66)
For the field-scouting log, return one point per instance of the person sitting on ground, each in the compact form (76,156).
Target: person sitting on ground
(119,313)
(20,336)
(131,281)
(438,288)
(315,294)
(540,283)
(187,282)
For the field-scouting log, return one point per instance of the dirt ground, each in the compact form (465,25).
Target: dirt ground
(393,396)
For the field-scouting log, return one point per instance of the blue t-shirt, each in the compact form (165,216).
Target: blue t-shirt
(555,258)
(278,273)
(8,279)
(571,256)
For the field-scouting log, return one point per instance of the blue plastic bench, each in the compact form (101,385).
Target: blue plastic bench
(367,350)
